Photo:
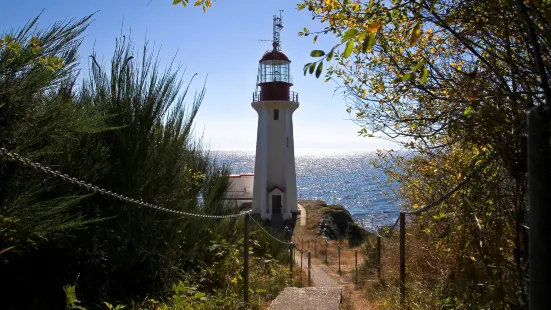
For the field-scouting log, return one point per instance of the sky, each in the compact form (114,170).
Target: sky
(223,48)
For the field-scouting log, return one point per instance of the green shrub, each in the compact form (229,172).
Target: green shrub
(128,129)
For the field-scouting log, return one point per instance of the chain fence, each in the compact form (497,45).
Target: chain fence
(338,258)
(138,202)
(344,261)
(27,162)
(323,251)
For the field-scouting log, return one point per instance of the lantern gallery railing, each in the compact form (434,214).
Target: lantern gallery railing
(260,96)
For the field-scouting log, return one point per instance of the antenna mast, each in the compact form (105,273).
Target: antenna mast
(278,25)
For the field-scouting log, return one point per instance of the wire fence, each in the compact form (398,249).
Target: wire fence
(345,261)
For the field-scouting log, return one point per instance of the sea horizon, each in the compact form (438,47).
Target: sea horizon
(303,151)
(340,177)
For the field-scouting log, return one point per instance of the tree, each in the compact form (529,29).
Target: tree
(205,4)
(450,81)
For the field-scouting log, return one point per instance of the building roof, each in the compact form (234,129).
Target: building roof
(276,187)
(241,175)
(274,55)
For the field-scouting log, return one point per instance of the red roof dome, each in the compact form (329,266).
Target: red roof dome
(274,55)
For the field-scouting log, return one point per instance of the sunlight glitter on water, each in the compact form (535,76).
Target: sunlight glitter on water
(336,178)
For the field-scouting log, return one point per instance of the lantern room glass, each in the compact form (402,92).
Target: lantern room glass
(274,71)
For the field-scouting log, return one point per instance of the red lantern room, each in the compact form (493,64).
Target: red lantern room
(274,73)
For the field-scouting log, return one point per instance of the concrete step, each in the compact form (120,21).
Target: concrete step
(308,298)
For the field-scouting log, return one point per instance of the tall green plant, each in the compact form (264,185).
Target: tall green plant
(128,129)
(152,155)
(40,120)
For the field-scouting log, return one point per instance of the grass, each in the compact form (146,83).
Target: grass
(424,270)
(309,239)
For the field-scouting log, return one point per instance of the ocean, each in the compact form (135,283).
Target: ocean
(346,179)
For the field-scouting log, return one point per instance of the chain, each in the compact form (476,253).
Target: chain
(267,233)
(105,192)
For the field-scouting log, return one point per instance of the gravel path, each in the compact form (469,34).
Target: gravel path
(302,215)
(319,277)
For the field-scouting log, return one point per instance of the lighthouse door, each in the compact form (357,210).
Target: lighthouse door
(276,204)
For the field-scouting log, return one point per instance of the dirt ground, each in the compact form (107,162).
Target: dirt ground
(308,238)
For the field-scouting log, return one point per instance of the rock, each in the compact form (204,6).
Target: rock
(355,235)
(336,223)
(329,228)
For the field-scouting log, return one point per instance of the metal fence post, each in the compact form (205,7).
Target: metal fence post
(339,254)
(246,260)
(309,269)
(356,274)
(315,247)
(291,260)
(402,258)
(286,232)
(302,244)
(539,197)
(301,252)
(326,252)
(378,257)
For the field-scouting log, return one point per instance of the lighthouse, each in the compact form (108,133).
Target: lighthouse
(275,185)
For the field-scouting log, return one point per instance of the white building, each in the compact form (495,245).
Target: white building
(241,189)
(274,187)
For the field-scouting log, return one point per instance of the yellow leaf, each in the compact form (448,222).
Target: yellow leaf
(198,3)
(415,34)
(415,206)
(472,258)
(374,26)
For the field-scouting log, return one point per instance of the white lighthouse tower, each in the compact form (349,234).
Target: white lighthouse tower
(275,185)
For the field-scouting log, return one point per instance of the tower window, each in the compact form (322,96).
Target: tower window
(276,114)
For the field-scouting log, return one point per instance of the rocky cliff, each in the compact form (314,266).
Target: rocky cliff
(336,223)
